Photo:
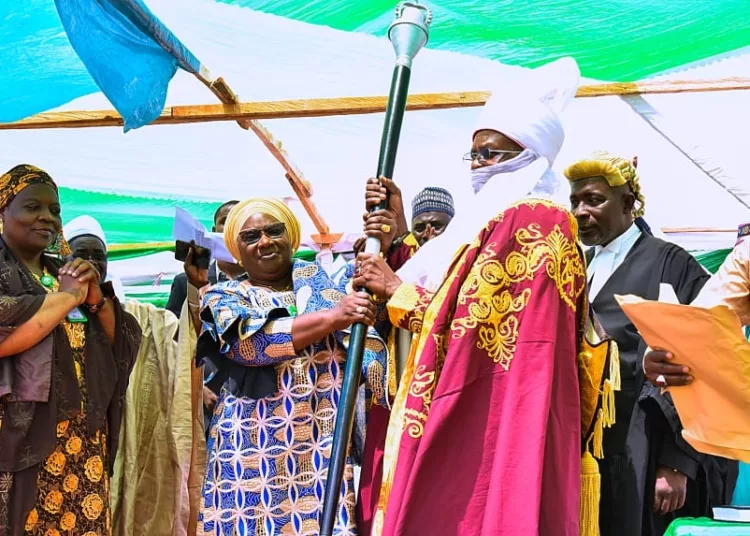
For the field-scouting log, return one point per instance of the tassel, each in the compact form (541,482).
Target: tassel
(598,437)
(392,376)
(608,404)
(591,482)
(614,366)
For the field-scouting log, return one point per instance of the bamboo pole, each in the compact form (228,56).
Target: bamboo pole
(292,109)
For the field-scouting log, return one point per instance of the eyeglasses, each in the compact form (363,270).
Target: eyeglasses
(273,231)
(94,257)
(484,154)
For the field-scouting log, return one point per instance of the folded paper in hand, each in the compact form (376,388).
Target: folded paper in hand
(188,229)
(715,408)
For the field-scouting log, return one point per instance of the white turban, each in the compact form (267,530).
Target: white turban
(527,111)
(88,226)
(84,226)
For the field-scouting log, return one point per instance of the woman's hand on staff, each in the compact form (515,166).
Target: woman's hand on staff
(352,309)
(378,191)
(309,328)
(374,274)
(663,372)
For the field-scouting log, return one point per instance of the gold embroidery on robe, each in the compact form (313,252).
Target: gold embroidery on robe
(491,309)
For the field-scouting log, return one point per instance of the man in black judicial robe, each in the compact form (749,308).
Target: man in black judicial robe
(650,475)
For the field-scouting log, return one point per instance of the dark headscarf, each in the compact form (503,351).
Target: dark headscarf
(16,180)
(20,177)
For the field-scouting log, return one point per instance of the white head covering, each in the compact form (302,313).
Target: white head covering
(88,226)
(528,114)
(84,226)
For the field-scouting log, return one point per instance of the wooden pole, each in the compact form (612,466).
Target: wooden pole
(301,187)
(251,112)
(120,248)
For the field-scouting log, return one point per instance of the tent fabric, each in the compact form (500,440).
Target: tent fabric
(607,37)
(127,58)
(712,260)
(690,153)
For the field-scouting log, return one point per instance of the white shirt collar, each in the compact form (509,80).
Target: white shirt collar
(625,240)
(608,258)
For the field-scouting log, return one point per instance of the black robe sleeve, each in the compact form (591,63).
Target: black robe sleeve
(687,277)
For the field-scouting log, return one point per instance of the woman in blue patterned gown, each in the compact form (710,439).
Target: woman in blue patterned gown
(280,335)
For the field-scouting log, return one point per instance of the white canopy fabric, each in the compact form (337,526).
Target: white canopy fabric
(264,57)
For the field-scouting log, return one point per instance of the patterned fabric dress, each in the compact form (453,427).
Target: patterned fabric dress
(268,458)
(73,482)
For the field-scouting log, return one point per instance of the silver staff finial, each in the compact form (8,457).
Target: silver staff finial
(410,31)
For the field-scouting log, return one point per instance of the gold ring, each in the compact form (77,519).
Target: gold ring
(385,228)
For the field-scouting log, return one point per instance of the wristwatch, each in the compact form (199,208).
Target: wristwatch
(93,309)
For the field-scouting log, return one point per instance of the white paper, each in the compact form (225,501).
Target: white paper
(667,294)
(188,229)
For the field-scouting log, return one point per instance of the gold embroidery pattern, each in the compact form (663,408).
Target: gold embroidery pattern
(404,300)
(421,386)
(407,307)
(414,422)
(561,258)
(491,308)
(442,348)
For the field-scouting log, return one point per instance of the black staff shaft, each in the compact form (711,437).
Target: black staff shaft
(394,117)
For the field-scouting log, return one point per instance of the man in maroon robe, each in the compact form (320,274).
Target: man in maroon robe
(485,437)
(490,425)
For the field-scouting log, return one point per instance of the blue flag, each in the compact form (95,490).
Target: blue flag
(129,53)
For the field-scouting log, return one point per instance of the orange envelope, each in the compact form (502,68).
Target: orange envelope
(715,408)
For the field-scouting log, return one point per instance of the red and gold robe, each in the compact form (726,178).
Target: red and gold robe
(397,258)
(371,476)
(485,436)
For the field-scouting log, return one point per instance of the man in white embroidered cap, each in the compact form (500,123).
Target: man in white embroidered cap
(486,433)
(431,212)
